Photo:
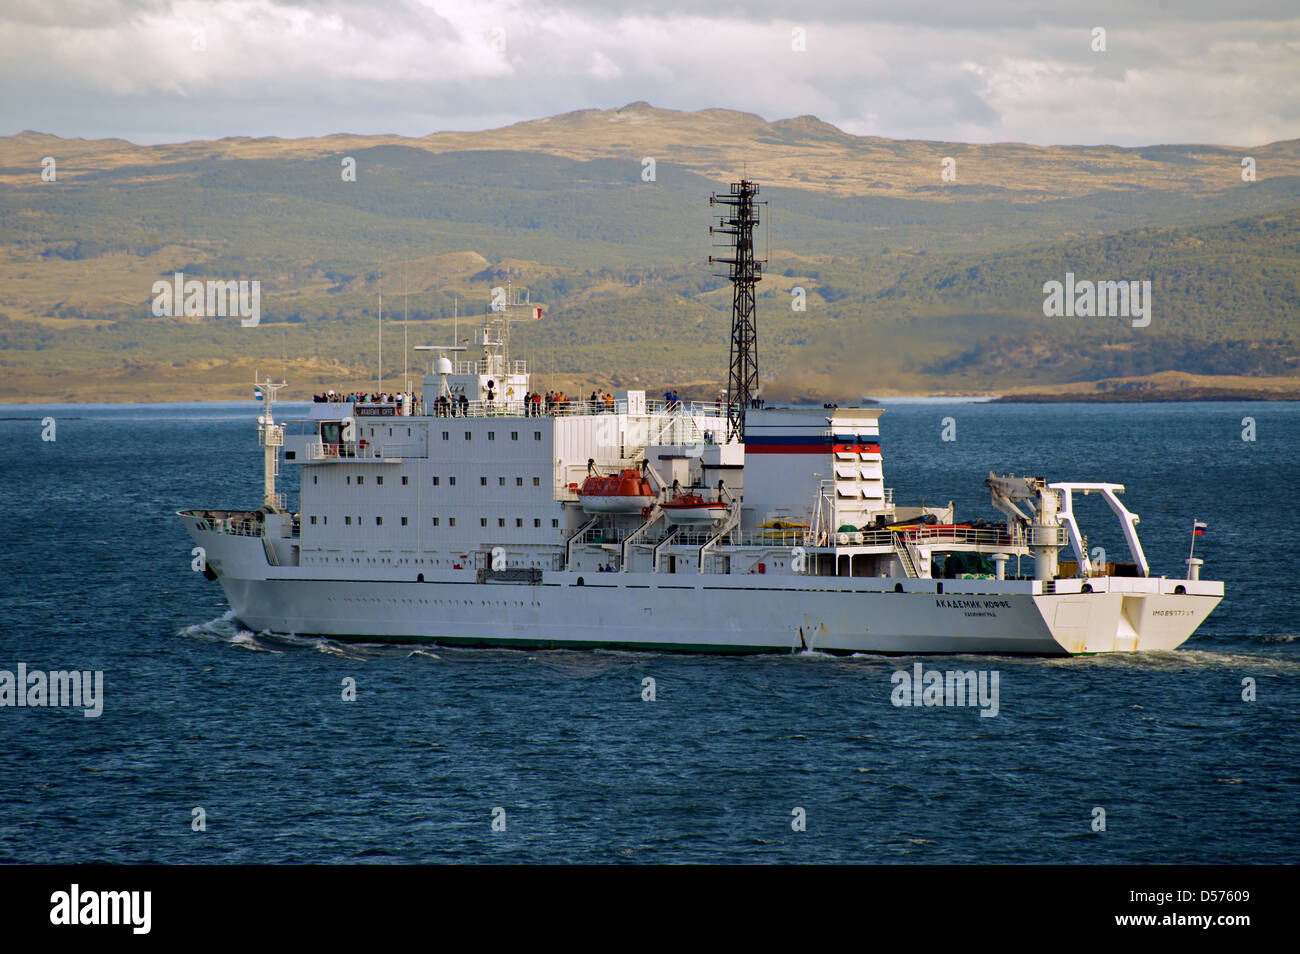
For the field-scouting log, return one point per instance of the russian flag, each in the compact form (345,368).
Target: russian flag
(1198,528)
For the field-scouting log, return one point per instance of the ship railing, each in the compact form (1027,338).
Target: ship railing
(980,537)
(360,450)
(494,366)
(687,408)
(679,414)
(239,523)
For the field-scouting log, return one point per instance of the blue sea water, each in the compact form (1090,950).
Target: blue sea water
(252,728)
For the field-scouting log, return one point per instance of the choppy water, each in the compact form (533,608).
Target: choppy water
(252,727)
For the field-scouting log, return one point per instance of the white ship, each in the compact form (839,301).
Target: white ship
(475,518)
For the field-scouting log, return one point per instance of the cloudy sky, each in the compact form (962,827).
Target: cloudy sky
(172,70)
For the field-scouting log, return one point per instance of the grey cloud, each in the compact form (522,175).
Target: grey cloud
(947,70)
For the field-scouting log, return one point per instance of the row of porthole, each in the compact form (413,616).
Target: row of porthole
(389,599)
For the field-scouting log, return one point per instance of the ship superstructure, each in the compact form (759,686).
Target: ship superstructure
(477,513)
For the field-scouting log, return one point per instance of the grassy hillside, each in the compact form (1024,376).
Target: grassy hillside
(912,284)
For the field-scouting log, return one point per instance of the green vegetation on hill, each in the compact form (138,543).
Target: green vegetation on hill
(911,285)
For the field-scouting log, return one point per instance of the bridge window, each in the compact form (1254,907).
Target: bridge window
(501,481)
(482,481)
(451,521)
(379,521)
(482,521)
(519,481)
(435,521)
(435,481)
(452,481)
(501,521)
(347,521)
(360,479)
(403,521)
(379,479)
(519,522)
(537,522)
(405,480)
(537,481)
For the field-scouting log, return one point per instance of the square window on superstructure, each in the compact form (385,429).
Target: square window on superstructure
(519,481)
(519,521)
(492,435)
(313,520)
(379,479)
(403,521)
(405,480)
(451,521)
(555,523)
(435,481)
(347,521)
(514,435)
(537,481)
(360,479)
(452,481)
(482,481)
(379,521)
(482,521)
(469,435)
(501,481)
(537,435)
(446,435)
(537,522)
(435,521)
(501,521)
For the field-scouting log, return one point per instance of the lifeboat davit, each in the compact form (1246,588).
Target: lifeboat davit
(693,510)
(625,492)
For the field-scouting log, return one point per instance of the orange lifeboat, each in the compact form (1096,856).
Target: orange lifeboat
(624,492)
(690,509)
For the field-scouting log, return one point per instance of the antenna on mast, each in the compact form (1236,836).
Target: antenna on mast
(381,329)
(744,272)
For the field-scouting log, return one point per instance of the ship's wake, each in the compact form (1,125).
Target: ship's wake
(227,629)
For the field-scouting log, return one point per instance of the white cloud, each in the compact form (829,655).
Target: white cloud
(949,70)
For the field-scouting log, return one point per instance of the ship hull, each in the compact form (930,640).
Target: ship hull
(714,617)
(707,613)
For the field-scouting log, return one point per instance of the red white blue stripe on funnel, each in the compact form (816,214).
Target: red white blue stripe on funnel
(794,444)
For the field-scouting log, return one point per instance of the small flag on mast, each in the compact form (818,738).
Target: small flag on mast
(1198,528)
(257,394)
